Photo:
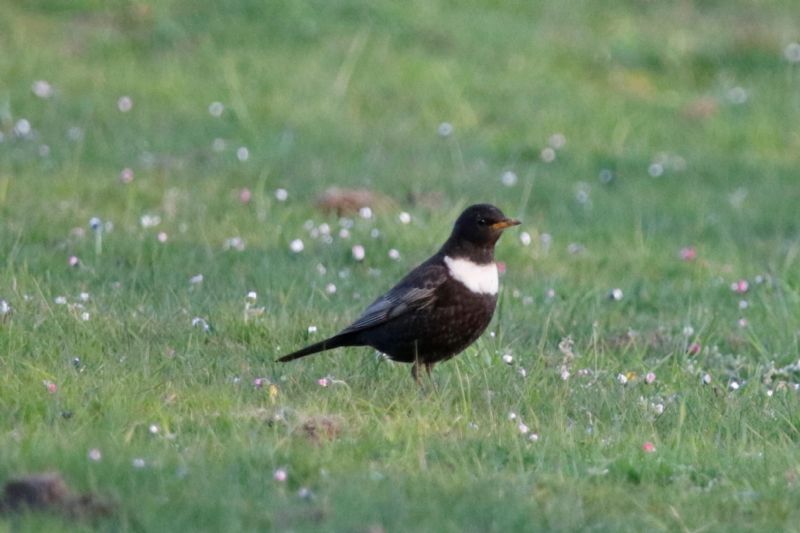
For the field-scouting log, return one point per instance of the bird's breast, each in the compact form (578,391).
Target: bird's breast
(478,278)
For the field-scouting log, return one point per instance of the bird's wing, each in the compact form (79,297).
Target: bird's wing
(415,291)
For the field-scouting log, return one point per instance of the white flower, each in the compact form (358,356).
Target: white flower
(22,127)
(509,178)
(281,195)
(394,254)
(42,89)
(548,155)
(404,217)
(525,238)
(330,288)
(365,212)
(557,141)
(234,243)
(792,52)
(737,95)
(218,144)
(358,252)
(95,455)
(197,278)
(312,330)
(74,133)
(149,221)
(215,109)
(445,129)
(296,246)
(242,154)
(201,323)
(508,359)
(125,104)
(655,170)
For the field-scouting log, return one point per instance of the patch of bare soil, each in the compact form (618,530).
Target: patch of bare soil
(48,492)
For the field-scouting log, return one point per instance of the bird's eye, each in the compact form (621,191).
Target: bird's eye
(483,222)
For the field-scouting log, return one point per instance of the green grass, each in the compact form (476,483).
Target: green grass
(351,93)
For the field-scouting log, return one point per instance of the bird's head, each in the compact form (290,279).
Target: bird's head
(481,225)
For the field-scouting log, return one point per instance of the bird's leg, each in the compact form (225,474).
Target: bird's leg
(428,369)
(415,372)
(415,366)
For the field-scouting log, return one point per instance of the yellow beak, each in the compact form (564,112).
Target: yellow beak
(507,223)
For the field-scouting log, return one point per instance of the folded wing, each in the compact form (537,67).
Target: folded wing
(415,291)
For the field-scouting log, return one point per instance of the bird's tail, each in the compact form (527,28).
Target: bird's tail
(328,344)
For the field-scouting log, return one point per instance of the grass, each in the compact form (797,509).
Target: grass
(681,127)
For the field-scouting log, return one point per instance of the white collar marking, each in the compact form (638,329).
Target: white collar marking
(477,278)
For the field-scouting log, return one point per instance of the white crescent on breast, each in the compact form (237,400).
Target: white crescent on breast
(481,279)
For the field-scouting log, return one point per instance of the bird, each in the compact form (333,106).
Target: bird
(439,308)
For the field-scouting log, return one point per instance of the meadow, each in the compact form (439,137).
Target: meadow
(161,244)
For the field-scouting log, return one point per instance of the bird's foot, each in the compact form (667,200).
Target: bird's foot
(428,368)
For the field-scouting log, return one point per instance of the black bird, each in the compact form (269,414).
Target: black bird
(440,307)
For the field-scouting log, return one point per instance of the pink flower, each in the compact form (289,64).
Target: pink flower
(323,382)
(688,253)
(73,261)
(245,195)
(693,348)
(126,176)
(280,475)
(259,382)
(501,267)
(648,447)
(51,387)
(740,287)
(650,378)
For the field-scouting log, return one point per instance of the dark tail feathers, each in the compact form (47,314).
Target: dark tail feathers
(328,344)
